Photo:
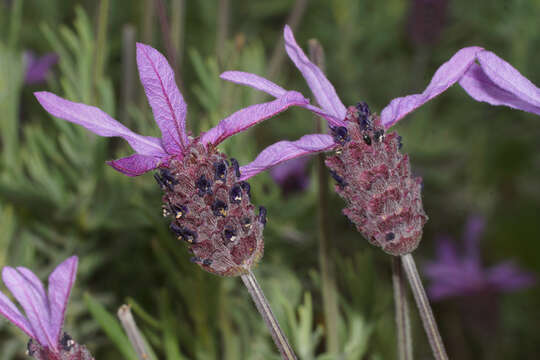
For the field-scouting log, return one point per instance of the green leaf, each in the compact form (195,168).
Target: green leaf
(111,327)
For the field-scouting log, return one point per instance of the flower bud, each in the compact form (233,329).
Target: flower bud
(374,178)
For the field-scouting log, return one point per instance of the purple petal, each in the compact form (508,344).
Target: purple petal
(98,122)
(10,312)
(509,277)
(286,150)
(262,84)
(32,300)
(252,115)
(254,81)
(37,69)
(61,281)
(137,164)
(321,88)
(449,73)
(167,103)
(496,82)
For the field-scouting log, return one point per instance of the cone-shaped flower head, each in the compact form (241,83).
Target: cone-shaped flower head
(373,177)
(210,206)
(43,311)
(459,275)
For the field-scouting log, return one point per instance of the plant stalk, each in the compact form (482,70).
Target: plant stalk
(328,283)
(134,335)
(403,324)
(428,320)
(262,305)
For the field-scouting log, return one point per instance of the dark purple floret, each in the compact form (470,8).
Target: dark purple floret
(203,185)
(236,167)
(262,215)
(219,208)
(340,134)
(338,178)
(235,195)
(220,170)
(246,187)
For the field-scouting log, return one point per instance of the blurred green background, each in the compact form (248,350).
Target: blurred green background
(57,196)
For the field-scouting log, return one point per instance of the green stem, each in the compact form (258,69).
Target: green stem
(262,305)
(328,283)
(403,325)
(101,42)
(424,308)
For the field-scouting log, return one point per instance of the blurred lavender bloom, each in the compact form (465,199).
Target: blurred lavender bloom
(453,275)
(37,68)
(291,175)
(44,311)
(426,20)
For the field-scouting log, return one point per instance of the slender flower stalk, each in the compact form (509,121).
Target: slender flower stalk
(266,312)
(134,335)
(426,314)
(403,323)
(209,206)
(44,311)
(329,292)
(383,198)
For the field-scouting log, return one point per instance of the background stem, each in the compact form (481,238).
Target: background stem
(328,283)
(268,316)
(403,324)
(424,308)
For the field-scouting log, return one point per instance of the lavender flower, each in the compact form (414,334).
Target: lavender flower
(374,178)
(452,275)
(44,311)
(210,206)
(291,175)
(37,68)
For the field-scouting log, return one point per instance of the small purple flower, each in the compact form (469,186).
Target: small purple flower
(44,311)
(374,178)
(452,275)
(209,204)
(291,175)
(37,68)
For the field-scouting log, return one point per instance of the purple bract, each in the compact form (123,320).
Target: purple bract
(452,275)
(292,176)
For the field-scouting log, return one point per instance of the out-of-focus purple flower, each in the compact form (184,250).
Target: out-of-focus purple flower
(44,311)
(169,111)
(481,73)
(37,68)
(291,175)
(454,275)
(426,20)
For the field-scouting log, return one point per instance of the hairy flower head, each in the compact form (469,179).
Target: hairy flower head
(209,204)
